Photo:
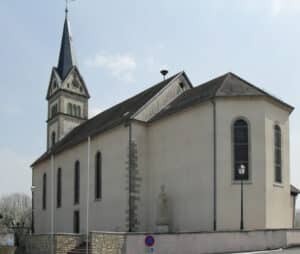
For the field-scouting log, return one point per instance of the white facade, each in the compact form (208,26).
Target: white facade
(176,151)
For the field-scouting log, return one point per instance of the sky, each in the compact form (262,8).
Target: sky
(122,45)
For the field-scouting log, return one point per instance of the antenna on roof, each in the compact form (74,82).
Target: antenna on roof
(164,73)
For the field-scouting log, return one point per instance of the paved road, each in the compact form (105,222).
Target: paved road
(288,251)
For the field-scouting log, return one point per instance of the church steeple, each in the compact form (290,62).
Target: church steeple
(67,93)
(66,56)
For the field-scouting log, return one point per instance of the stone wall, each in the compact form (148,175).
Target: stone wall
(107,243)
(62,243)
(67,242)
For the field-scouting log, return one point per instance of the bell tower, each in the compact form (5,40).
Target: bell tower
(67,94)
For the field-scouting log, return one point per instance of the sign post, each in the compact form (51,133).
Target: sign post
(149,243)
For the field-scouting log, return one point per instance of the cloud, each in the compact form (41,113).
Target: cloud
(121,66)
(280,6)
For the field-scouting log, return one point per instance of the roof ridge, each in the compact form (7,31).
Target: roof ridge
(264,92)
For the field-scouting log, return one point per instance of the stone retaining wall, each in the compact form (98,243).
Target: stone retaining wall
(107,243)
(62,243)
(177,243)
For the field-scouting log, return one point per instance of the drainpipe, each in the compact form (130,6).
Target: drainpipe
(215,162)
(129,178)
(52,203)
(88,194)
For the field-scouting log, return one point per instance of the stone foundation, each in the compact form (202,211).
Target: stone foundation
(62,243)
(107,243)
(176,243)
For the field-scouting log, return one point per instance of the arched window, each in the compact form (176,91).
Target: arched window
(44,191)
(59,186)
(53,138)
(74,110)
(77,182)
(70,111)
(98,176)
(241,148)
(278,154)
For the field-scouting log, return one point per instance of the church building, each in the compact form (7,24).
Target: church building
(172,158)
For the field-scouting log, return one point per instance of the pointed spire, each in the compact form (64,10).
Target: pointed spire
(66,56)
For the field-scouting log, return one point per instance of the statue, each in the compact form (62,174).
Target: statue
(163,219)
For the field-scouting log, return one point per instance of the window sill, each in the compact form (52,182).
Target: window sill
(278,185)
(98,199)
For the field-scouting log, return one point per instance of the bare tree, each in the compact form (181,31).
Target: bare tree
(15,209)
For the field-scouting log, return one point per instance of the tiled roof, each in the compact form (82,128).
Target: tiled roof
(110,118)
(228,85)
(66,56)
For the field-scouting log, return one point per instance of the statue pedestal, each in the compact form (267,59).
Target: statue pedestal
(162,228)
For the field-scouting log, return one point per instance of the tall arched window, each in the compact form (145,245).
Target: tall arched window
(70,110)
(277,154)
(59,186)
(44,191)
(98,176)
(241,148)
(77,182)
(53,138)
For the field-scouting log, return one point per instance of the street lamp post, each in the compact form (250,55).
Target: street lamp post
(242,171)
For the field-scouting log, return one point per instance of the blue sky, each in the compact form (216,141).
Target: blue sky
(122,45)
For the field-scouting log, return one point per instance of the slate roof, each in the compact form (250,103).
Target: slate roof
(294,190)
(66,56)
(108,119)
(227,85)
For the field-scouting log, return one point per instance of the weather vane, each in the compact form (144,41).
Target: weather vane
(67,5)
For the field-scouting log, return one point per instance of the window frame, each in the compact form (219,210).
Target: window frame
(98,176)
(77,183)
(44,194)
(233,162)
(278,129)
(59,188)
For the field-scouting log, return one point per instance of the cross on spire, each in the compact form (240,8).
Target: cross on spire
(67,6)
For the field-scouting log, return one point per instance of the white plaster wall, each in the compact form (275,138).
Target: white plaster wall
(68,126)
(42,221)
(106,214)
(223,242)
(181,157)
(140,138)
(163,98)
(279,201)
(228,191)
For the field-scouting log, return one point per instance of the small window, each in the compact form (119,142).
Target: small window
(98,176)
(53,138)
(54,110)
(74,110)
(59,186)
(181,85)
(70,109)
(76,219)
(77,182)
(44,191)
(79,111)
(241,148)
(278,154)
